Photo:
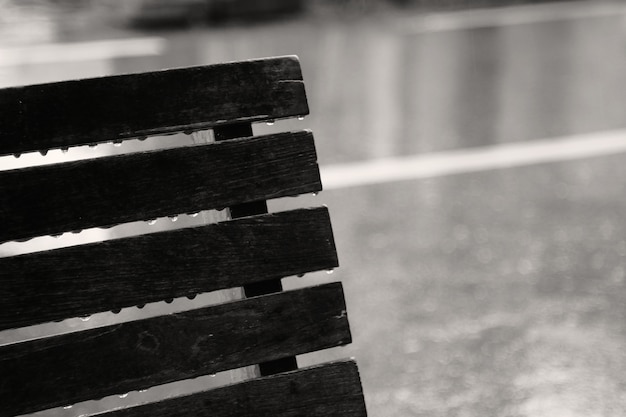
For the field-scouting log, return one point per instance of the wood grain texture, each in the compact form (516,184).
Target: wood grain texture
(329,390)
(78,112)
(111,190)
(117,359)
(81,280)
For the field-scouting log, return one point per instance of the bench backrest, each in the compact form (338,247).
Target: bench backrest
(254,250)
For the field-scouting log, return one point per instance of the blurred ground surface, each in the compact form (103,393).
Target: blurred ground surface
(497,293)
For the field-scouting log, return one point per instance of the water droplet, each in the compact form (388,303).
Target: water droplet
(17,155)
(315,194)
(67,407)
(116,311)
(142,138)
(330,271)
(117,143)
(93,145)
(300,275)
(65,150)
(194,214)
(188,132)
(86,318)
(270,123)
(56,236)
(152,222)
(192,296)
(43,153)
(173,218)
(169,300)
(123,395)
(301,118)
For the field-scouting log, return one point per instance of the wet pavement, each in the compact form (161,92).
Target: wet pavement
(495,293)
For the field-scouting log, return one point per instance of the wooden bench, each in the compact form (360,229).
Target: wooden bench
(253,249)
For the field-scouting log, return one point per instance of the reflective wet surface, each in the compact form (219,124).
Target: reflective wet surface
(488,293)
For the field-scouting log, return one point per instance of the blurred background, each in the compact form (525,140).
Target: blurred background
(473,155)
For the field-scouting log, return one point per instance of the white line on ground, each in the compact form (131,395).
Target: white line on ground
(461,161)
(80,51)
(511,15)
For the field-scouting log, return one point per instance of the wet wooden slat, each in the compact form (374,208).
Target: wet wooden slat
(332,389)
(81,280)
(107,191)
(71,113)
(117,359)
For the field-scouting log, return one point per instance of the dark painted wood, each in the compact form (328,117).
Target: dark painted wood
(111,190)
(266,286)
(70,113)
(329,390)
(269,330)
(117,359)
(81,280)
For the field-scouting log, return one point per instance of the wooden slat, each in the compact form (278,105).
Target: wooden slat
(76,367)
(328,390)
(106,191)
(81,280)
(93,110)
